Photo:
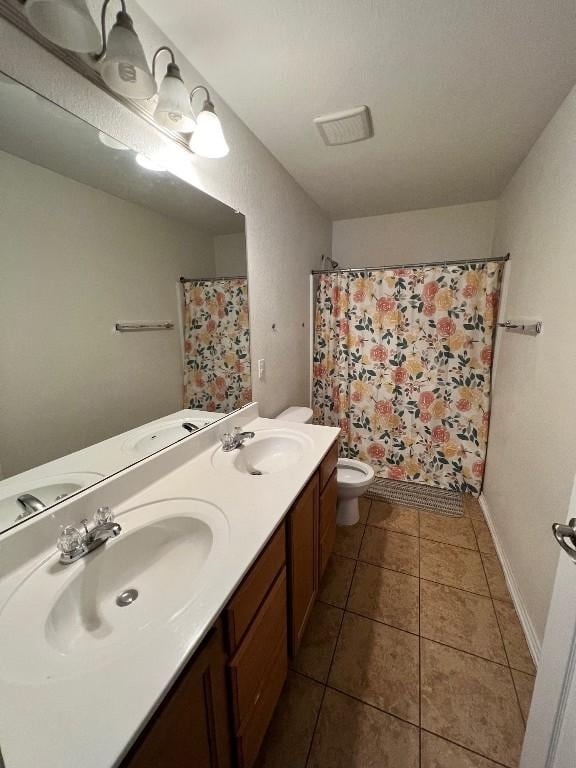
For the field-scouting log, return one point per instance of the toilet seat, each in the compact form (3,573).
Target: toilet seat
(352,473)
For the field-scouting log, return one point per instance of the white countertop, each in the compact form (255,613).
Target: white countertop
(92,719)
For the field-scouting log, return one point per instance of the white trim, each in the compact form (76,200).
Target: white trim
(531,637)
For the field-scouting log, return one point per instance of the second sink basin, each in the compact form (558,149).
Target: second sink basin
(270,451)
(69,618)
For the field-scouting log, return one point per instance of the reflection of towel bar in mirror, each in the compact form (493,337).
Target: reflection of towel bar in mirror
(532,329)
(129,327)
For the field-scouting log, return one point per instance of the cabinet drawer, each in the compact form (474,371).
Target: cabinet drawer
(328,465)
(328,503)
(250,666)
(249,596)
(250,738)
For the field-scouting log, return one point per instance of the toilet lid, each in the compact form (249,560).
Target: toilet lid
(297,413)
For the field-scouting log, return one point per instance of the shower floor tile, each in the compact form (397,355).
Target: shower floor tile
(425,659)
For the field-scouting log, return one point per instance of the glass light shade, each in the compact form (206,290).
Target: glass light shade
(208,139)
(111,142)
(173,109)
(124,68)
(67,23)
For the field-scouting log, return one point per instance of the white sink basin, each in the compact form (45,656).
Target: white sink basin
(150,439)
(270,451)
(47,489)
(65,619)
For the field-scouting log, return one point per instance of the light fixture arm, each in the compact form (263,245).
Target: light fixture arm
(158,52)
(208,106)
(100,55)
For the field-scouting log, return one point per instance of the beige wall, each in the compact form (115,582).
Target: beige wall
(532,446)
(436,234)
(74,261)
(230,255)
(285,231)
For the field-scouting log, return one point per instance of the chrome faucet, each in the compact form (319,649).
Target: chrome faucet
(74,544)
(230,442)
(30,504)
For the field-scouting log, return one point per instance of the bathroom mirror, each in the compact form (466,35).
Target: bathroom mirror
(123,305)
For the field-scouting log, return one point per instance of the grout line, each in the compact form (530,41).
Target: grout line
(467,749)
(335,646)
(419,669)
(403,720)
(309,752)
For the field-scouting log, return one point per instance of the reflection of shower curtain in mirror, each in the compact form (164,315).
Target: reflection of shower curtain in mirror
(402,364)
(216,344)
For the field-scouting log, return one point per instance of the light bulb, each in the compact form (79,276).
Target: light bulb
(208,139)
(124,68)
(173,109)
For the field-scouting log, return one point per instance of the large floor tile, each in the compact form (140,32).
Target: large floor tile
(396,551)
(484,537)
(524,687)
(348,538)
(470,701)
(315,653)
(472,506)
(394,517)
(438,753)
(460,619)
(448,530)
(290,734)
(353,735)
(514,639)
(336,581)
(378,664)
(496,578)
(453,566)
(385,595)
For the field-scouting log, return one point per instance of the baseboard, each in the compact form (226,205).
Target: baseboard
(531,636)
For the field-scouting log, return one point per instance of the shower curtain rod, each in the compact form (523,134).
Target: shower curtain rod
(209,279)
(409,266)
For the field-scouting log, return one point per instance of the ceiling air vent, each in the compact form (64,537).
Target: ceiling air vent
(345,127)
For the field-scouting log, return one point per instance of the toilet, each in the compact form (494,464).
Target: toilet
(353,477)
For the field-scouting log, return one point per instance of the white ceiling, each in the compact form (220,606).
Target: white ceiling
(459,89)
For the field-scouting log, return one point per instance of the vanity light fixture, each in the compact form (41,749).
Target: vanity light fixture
(208,139)
(67,23)
(173,109)
(124,68)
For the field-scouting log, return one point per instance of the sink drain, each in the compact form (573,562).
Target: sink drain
(127,597)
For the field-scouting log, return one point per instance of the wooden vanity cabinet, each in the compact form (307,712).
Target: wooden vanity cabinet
(218,712)
(192,728)
(257,619)
(303,575)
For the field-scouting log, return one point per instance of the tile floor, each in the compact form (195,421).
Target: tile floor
(414,656)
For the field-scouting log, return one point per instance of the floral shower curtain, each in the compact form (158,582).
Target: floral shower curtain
(402,364)
(216,344)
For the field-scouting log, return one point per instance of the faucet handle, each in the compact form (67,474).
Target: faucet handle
(227,441)
(103,515)
(69,541)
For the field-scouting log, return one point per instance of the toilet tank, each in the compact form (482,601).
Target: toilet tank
(297,413)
